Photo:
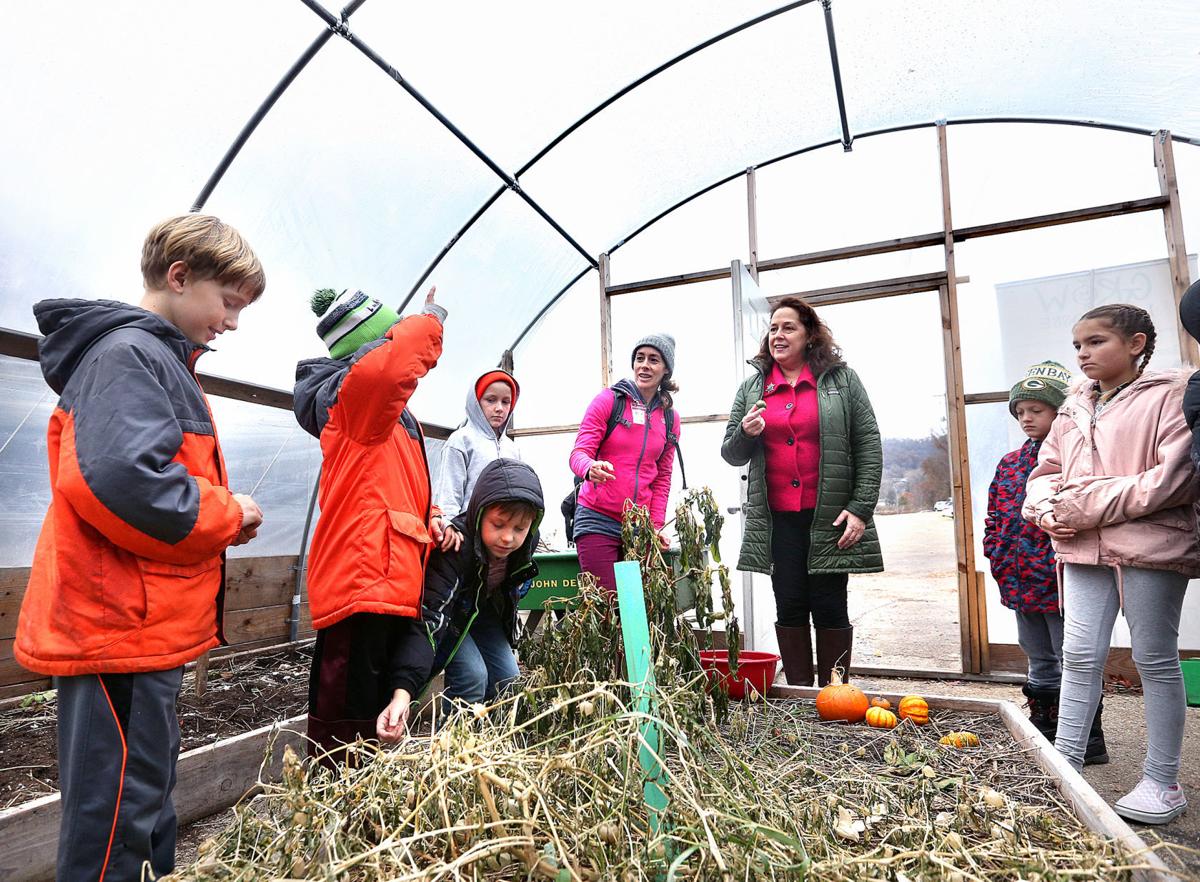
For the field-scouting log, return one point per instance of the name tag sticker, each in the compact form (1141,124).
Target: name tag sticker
(639,416)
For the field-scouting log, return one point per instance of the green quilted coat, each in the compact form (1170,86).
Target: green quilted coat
(851,467)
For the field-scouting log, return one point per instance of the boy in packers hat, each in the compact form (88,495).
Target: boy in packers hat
(1022,556)
(378,525)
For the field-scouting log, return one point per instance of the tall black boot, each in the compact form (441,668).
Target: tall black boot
(1043,710)
(1096,752)
(795,646)
(833,651)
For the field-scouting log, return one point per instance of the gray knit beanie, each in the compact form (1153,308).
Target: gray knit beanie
(1045,382)
(664,343)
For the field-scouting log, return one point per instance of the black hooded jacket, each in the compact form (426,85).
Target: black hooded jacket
(456,581)
(1189,315)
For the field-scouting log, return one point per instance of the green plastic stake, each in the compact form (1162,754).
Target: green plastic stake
(635,633)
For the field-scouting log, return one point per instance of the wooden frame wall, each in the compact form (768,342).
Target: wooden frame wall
(258,602)
(975,648)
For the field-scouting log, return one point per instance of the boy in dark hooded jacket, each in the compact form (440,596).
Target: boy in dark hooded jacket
(499,530)
(1189,315)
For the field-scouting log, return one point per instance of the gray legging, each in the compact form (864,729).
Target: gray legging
(1153,602)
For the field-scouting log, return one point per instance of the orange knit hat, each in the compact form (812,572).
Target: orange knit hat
(497,376)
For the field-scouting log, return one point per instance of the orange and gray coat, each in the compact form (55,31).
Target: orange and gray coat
(372,542)
(128,574)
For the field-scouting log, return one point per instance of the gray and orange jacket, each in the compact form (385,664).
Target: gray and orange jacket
(128,573)
(372,541)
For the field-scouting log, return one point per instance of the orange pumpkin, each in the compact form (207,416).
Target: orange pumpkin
(879,701)
(841,701)
(915,708)
(881,718)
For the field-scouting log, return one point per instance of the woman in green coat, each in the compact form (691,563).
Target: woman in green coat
(805,425)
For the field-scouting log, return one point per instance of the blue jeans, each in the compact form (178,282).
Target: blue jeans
(484,663)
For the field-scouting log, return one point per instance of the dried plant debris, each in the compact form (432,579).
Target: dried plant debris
(549,783)
(774,793)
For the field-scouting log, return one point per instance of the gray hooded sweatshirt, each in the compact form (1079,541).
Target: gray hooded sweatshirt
(467,453)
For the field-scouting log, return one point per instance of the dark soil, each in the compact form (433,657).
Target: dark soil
(243,693)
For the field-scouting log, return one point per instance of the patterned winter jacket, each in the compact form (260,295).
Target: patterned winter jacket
(1021,554)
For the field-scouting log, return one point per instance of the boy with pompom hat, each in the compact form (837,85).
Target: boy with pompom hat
(378,523)
(1022,556)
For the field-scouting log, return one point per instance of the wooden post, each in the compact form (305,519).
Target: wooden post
(1164,161)
(606,367)
(752,221)
(956,430)
(201,675)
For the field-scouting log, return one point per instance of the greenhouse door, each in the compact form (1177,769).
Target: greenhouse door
(931,590)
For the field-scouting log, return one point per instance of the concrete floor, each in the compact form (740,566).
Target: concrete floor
(916,597)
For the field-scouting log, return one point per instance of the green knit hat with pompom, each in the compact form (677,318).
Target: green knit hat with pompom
(350,320)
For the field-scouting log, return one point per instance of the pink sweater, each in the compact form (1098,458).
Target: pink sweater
(792,441)
(641,457)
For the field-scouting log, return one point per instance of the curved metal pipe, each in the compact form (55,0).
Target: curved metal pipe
(263,109)
(302,566)
(1116,127)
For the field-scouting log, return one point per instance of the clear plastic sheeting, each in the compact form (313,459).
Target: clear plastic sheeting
(114,117)
(756,95)
(494,281)
(26,403)
(348,183)
(514,76)
(1131,63)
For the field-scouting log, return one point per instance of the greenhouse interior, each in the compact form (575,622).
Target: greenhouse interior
(595,194)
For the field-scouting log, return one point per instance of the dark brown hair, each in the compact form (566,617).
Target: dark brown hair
(511,507)
(823,353)
(1127,320)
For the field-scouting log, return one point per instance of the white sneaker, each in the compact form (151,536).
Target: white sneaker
(1152,803)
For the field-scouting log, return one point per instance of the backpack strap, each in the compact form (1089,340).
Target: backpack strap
(614,417)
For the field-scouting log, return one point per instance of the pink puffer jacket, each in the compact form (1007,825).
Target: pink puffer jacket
(638,450)
(1124,480)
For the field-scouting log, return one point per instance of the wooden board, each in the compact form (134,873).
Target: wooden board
(210,779)
(252,582)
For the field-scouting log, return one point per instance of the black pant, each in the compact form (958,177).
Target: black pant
(350,681)
(118,743)
(799,593)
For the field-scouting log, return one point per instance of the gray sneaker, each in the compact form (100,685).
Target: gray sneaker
(1152,803)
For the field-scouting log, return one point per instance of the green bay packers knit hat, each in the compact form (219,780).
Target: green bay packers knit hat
(1046,381)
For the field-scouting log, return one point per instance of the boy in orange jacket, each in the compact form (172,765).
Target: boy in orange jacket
(129,570)
(378,524)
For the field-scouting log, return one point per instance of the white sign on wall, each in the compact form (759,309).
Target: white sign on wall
(1036,315)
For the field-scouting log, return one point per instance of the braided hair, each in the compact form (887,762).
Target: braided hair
(1127,320)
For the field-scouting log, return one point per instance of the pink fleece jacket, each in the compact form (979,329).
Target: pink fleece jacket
(1124,479)
(641,457)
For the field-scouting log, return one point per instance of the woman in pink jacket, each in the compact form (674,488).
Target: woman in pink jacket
(1114,487)
(633,464)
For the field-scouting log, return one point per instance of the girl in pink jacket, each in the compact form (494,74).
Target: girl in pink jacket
(633,464)
(1114,487)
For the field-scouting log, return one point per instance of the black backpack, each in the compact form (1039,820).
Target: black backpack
(614,418)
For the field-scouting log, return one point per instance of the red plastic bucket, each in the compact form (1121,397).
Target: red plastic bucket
(756,668)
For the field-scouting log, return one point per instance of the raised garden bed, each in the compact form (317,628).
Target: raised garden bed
(243,692)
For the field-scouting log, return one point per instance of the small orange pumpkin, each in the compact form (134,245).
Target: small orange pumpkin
(959,739)
(915,708)
(841,701)
(881,718)
(879,701)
